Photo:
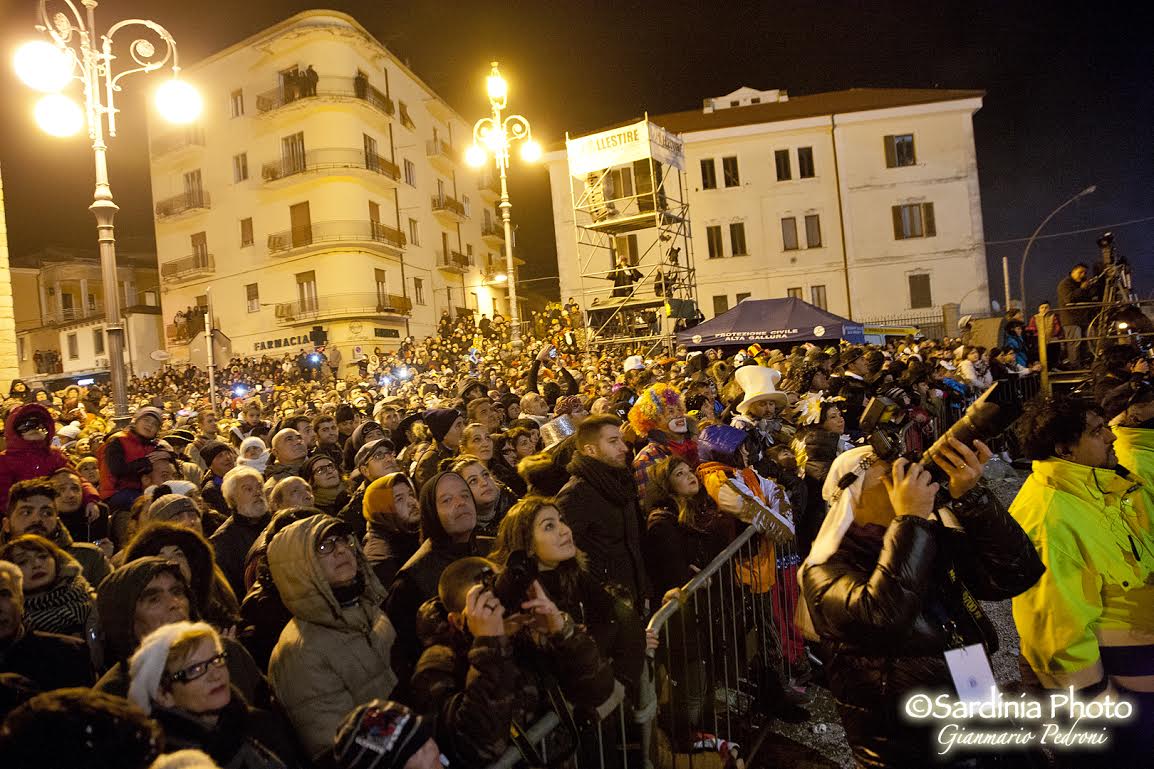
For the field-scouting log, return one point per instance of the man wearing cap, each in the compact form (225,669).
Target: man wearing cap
(375,459)
(219,458)
(335,653)
(445,425)
(126,456)
(852,386)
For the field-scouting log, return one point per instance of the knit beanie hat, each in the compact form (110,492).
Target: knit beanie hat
(169,506)
(252,441)
(379,735)
(379,494)
(308,468)
(440,421)
(146,668)
(212,449)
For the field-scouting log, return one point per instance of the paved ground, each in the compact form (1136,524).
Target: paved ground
(820,742)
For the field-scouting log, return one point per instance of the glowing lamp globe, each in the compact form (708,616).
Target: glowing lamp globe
(500,277)
(178,102)
(58,115)
(43,66)
(475,156)
(531,152)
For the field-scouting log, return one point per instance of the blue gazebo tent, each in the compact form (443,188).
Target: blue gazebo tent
(771,321)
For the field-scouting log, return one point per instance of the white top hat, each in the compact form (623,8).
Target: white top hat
(759,383)
(634,362)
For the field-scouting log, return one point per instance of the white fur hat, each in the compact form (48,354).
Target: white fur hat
(634,363)
(146,668)
(759,383)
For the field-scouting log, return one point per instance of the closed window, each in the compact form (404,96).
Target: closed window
(98,341)
(246,232)
(307,291)
(414,232)
(900,150)
(720,305)
(920,295)
(252,297)
(742,297)
(789,233)
(737,239)
(914,220)
(239,167)
(781,161)
(236,103)
(410,173)
(812,231)
(794,292)
(805,163)
(73,347)
(729,170)
(419,290)
(817,296)
(708,174)
(713,239)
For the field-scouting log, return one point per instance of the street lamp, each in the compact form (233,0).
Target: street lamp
(495,135)
(73,52)
(1026,253)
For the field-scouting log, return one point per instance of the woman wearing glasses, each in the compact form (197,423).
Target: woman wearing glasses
(180,678)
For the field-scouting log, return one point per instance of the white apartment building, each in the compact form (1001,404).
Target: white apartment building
(864,202)
(339,201)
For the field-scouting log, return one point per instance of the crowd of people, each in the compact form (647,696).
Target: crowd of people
(410,561)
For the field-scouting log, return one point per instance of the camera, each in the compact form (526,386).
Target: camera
(988,417)
(511,586)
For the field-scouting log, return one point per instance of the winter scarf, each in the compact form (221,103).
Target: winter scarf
(62,608)
(616,483)
(324,498)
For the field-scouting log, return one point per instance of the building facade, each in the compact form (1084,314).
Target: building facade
(59,314)
(863,202)
(323,191)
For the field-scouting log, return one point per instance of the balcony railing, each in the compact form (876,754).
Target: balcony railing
(179,204)
(328,87)
(72,314)
(328,159)
(192,136)
(439,148)
(351,231)
(449,205)
(492,229)
(336,305)
(454,261)
(187,267)
(490,183)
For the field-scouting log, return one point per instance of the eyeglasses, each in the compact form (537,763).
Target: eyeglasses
(324,468)
(328,545)
(193,672)
(382,454)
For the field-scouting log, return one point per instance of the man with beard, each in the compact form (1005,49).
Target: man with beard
(659,417)
(243,489)
(600,505)
(32,510)
(393,524)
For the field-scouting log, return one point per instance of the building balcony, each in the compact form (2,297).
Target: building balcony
(491,268)
(449,208)
(177,143)
(68,315)
(187,268)
(330,88)
(334,306)
(454,261)
(330,159)
(489,185)
(441,154)
(187,203)
(320,235)
(493,233)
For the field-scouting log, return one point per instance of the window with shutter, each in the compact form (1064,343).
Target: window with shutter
(920,295)
(781,161)
(812,231)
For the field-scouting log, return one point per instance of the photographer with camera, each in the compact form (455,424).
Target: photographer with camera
(1089,622)
(891,581)
(499,654)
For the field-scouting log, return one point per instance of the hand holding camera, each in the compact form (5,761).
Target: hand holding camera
(546,616)
(911,488)
(963,465)
(484,614)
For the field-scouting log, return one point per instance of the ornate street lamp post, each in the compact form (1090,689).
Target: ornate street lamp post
(495,135)
(73,52)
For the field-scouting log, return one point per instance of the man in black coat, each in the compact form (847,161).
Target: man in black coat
(600,505)
(49,660)
(1076,289)
(243,490)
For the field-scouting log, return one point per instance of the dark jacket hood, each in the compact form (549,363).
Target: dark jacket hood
(149,541)
(431,527)
(116,603)
(12,438)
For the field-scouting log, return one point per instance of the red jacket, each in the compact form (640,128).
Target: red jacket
(121,461)
(23,461)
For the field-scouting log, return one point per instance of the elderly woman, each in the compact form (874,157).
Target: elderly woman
(888,588)
(180,678)
(57,598)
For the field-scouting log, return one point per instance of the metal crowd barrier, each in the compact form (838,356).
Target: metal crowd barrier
(727,646)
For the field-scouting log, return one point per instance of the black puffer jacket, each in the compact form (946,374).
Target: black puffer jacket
(881,604)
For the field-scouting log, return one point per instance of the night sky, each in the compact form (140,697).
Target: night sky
(1069,98)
